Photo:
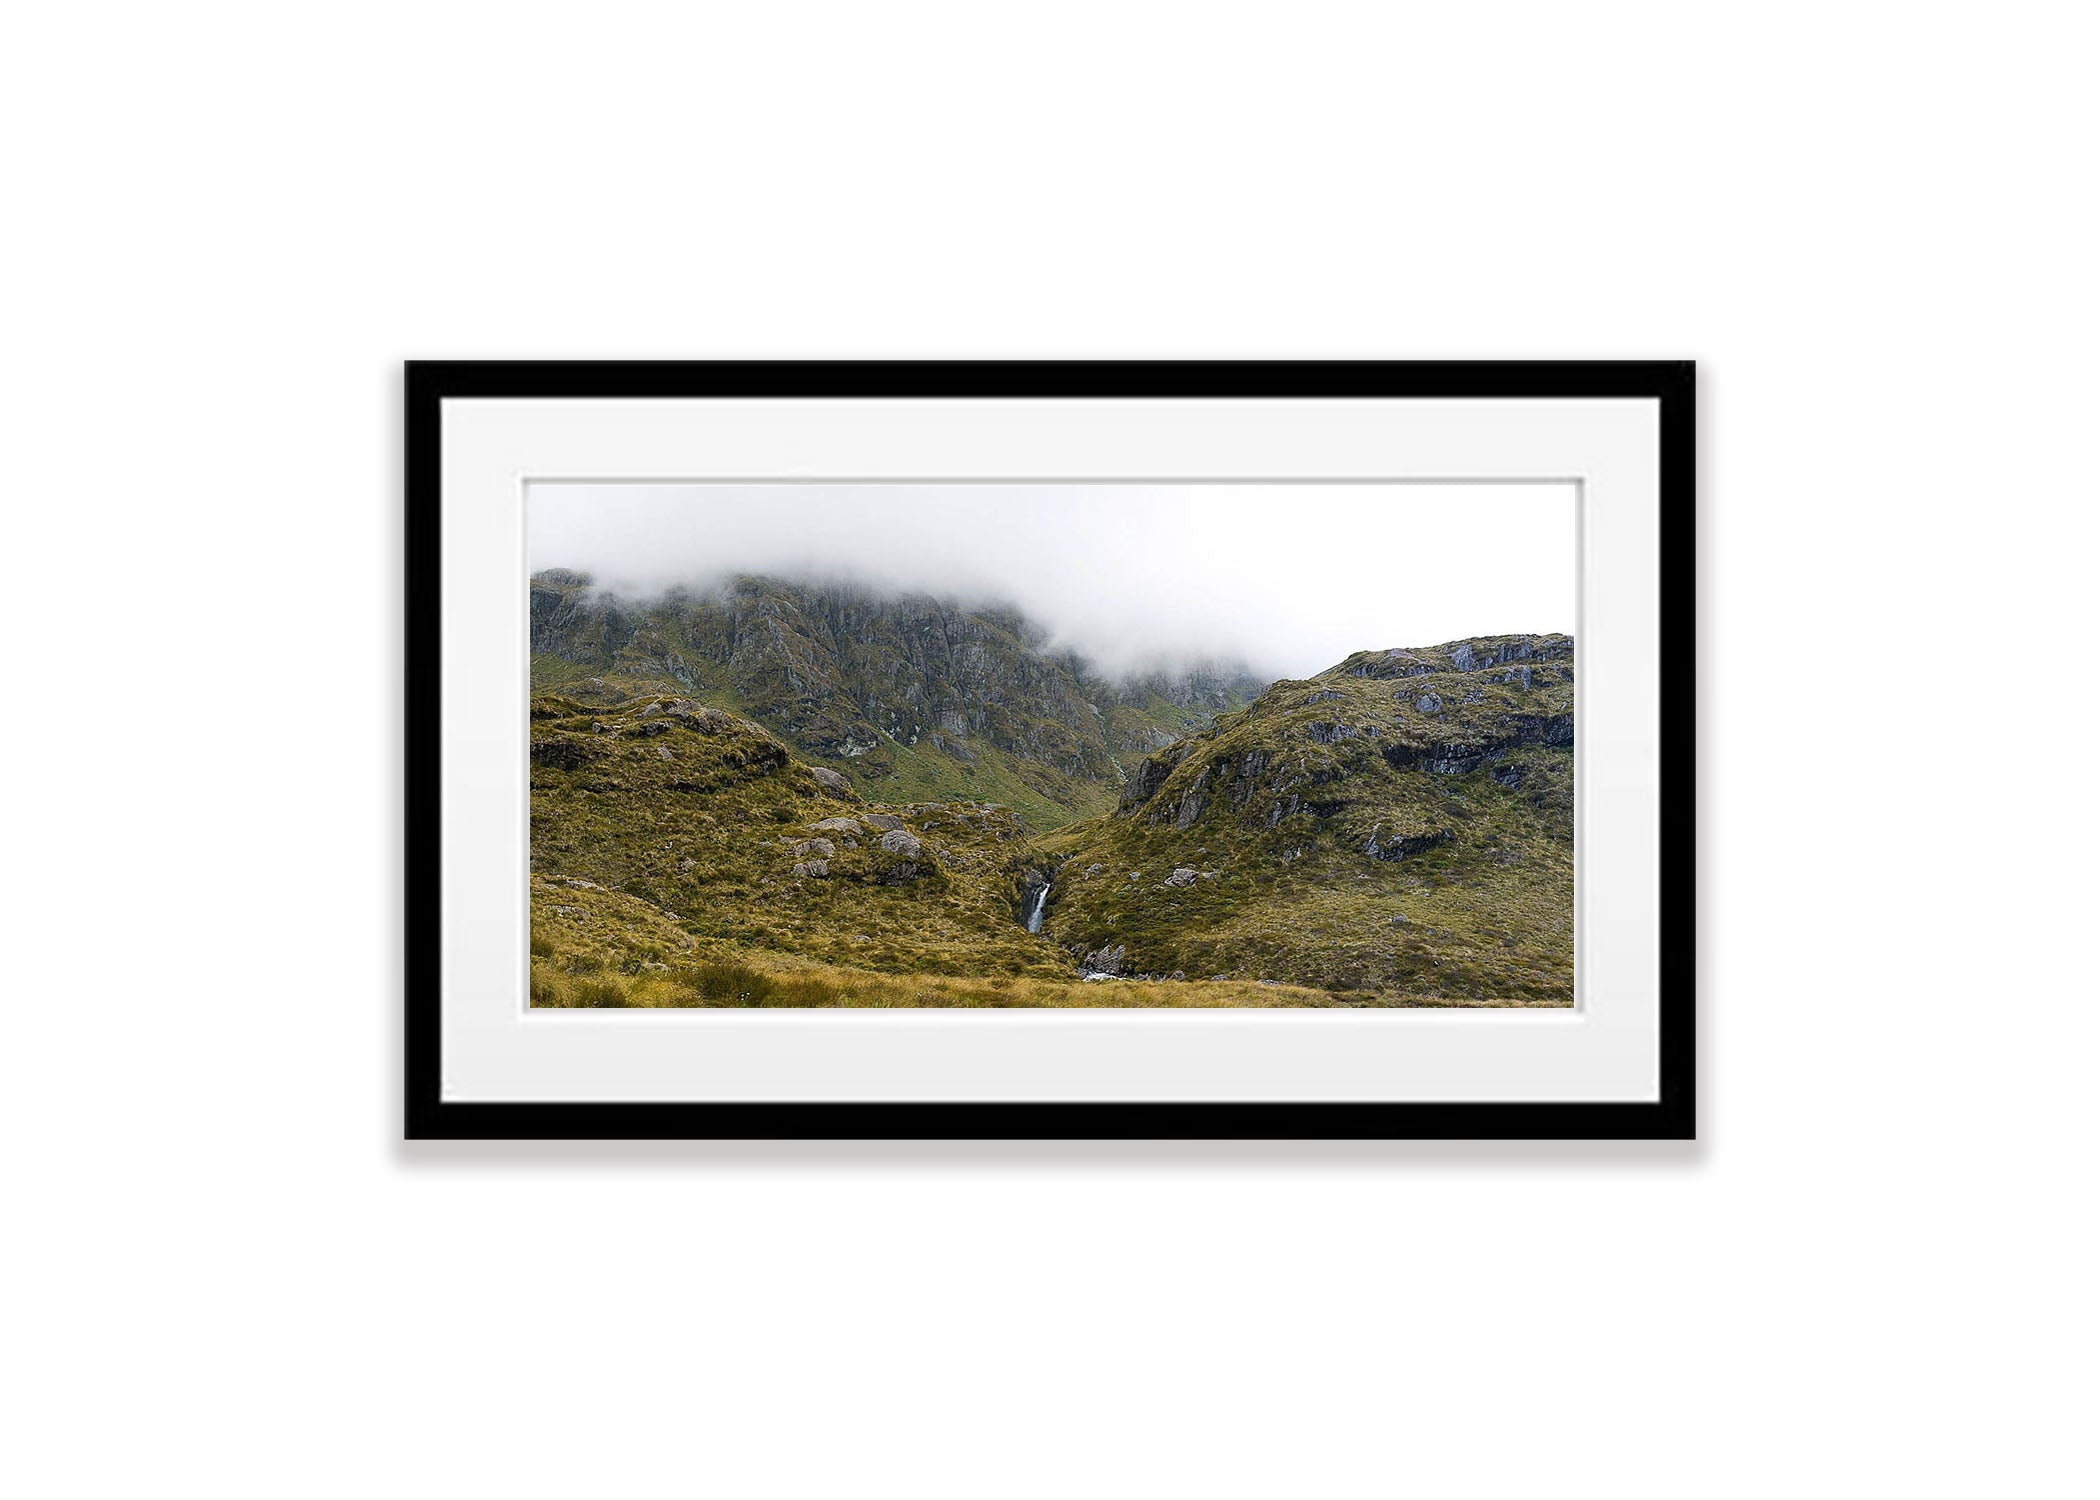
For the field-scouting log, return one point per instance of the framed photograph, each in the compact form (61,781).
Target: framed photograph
(1050,750)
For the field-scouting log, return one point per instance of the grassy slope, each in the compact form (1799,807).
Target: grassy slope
(1044,798)
(664,855)
(1284,888)
(685,647)
(684,831)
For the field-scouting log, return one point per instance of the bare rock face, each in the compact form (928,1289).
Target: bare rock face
(1193,801)
(1151,775)
(844,671)
(1105,960)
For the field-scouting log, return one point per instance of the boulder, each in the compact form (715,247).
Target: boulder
(814,869)
(832,781)
(835,825)
(1181,877)
(697,717)
(882,822)
(1105,960)
(1399,846)
(1429,703)
(901,842)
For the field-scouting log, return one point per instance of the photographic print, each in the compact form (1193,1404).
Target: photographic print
(964,745)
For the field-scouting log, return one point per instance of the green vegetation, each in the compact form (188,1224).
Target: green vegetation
(711,821)
(1395,831)
(1396,825)
(912,698)
(681,858)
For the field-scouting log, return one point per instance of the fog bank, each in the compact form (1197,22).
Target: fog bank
(1288,578)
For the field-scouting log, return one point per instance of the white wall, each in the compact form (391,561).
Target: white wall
(226,225)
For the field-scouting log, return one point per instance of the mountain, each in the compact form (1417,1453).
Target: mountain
(1398,830)
(681,855)
(913,698)
(1400,825)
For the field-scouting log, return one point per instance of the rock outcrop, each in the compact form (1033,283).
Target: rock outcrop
(1310,831)
(869,681)
(1107,960)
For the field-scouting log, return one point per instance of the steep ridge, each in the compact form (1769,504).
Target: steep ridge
(912,697)
(1399,828)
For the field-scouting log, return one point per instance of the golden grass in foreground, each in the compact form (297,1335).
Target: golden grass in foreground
(752,981)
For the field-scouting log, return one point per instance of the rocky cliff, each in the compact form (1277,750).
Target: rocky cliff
(910,695)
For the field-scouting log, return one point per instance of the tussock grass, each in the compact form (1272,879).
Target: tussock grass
(728,983)
(1275,807)
(676,863)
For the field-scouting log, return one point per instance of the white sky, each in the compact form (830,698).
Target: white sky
(1290,578)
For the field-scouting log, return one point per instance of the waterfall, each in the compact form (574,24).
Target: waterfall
(1035,916)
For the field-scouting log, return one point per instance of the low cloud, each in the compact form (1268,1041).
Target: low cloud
(1288,578)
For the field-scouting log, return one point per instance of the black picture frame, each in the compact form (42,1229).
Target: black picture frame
(430,383)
